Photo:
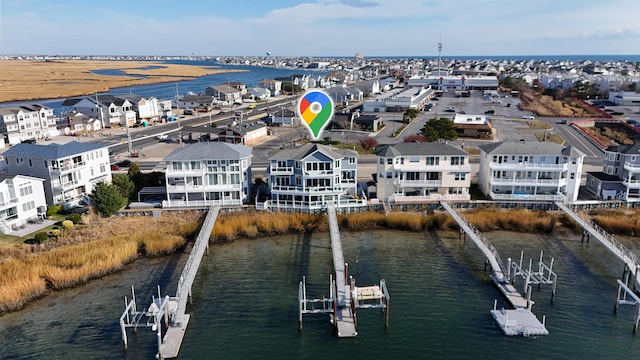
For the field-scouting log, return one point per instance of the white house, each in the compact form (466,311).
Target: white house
(422,172)
(70,171)
(208,173)
(25,122)
(530,171)
(110,109)
(21,199)
(312,176)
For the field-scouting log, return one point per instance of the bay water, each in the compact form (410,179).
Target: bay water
(245,302)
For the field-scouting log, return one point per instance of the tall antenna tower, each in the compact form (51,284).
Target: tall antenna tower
(439,54)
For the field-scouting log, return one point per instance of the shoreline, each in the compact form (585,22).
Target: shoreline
(61,267)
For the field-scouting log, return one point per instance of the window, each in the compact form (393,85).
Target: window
(389,175)
(177,165)
(457,160)
(459,176)
(30,163)
(572,176)
(381,161)
(432,160)
(414,159)
(389,161)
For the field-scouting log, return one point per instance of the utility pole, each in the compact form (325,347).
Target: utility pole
(178,115)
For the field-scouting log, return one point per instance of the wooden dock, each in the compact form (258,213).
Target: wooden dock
(520,321)
(171,311)
(344,316)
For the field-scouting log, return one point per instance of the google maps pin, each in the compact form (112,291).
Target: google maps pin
(315,108)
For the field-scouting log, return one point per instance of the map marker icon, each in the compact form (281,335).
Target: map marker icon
(315,109)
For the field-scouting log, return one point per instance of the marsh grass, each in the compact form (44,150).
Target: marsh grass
(618,221)
(29,80)
(84,253)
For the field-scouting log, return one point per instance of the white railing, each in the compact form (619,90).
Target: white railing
(485,246)
(201,203)
(283,170)
(204,188)
(632,167)
(69,184)
(527,166)
(416,167)
(422,183)
(626,255)
(400,198)
(533,181)
(527,197)
(184,172)
(305,190)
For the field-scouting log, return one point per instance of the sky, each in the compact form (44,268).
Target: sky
(320,27)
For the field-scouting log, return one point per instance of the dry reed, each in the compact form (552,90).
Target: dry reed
(29,80)
(84,253)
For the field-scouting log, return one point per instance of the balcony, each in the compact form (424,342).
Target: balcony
(528,181)
(343,201)
(631,183)
(322,173)
(68,167)
(300,190)
(69,184)
(527,166)
(184,172)
(632,167)
(282,170)
(416,199)
(422,167)
(201,203)
(417,183)
(182,187)
(528,197)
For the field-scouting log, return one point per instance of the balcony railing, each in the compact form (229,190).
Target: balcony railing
(528,197)
(307,190)
(417,183)
(528,181)
(69,184)
(421,167)
(631,183)
(191,187)
(283,170)
(527,166)
(201,203)
(174,172)
(68,167)
(315,205)
(401,198)
(632,167)
(322,173)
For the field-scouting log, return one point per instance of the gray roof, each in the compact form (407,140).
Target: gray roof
(301,152)
(241,129)
(210,151)
(625,149)
(530,148)
(428,148)
(52,151)
(8,177)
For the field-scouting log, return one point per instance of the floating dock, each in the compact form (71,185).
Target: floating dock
(519,322)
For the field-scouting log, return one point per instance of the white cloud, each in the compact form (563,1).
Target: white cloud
(343,27)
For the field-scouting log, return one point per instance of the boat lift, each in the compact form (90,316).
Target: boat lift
(544,275)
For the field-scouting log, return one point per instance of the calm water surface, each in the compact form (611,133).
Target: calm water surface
(245,303)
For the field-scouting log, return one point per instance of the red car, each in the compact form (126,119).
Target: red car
(115,167)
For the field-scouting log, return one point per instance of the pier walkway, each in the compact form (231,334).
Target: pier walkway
(173,338)
(517,321)
(344,314)
(171,310)
(629,258)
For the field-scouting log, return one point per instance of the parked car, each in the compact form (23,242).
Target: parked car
(124,163)
(162,137)
(490,112)
(187,112)
(115,167)
(528,117)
